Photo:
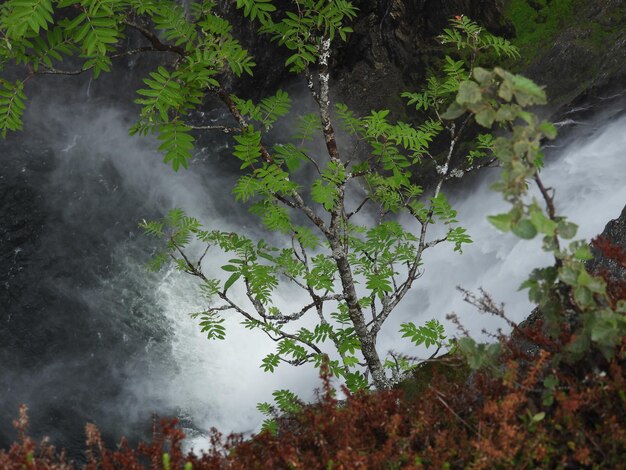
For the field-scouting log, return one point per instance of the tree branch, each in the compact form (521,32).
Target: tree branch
(154,39)
(224,129)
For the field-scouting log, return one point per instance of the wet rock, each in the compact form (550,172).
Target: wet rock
(615,232)
(587,60)
(394,43)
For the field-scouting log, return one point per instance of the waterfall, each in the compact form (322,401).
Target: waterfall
(94,337)
(587,172)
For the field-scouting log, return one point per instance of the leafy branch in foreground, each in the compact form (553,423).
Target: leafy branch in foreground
(354,273)
(579,314)
(354,220)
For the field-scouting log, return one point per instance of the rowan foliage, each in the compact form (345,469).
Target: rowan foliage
(522,411)
(550,396)
(530,414)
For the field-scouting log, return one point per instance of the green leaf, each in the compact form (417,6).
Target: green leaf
(528,92)
(568,275)
(432,333)
(231,280)
(548,129)
(501,221)
(567,230)
(524,229)
(11,106)
(270,362)
(177,143)
(349,345)
(551,382)
(274,107)
(248,148)
(356,381)
(583,253)
(27,15)
(270,426)
(287,401)
(597,285)
(607,330)
(542,223)
(506,113)
(583,296)
(506,91)
(483,76)
(454,111)
(538,417)
(485,117)
(211,324)
(469,93)
(478,355)
(350,361)
(264,408)
(325,194)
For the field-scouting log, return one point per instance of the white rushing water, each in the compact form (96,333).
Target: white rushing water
(222,381)
(588,176)
(219,383)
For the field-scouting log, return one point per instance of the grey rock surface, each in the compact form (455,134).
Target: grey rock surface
(615,232)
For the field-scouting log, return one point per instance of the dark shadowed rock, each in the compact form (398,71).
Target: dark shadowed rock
(394,43)
(586,59)
(615,232)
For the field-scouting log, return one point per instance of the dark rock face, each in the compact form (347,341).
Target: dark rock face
(615,232)
(269,57)
(587,60)
(394,43)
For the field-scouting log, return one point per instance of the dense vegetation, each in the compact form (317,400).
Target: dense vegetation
(521,412)
(550,395)
(538,23)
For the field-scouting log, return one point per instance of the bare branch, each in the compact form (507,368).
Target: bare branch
(53,71)
(224,129)
(360,206)
(311,85)
(547,197)
(549,200)
(154,39)
(206,250)
(324,100)
(459,173)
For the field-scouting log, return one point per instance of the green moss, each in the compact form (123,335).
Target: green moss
(449,368)
(537,22)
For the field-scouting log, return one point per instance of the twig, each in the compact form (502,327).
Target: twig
(224,129)
(443,402)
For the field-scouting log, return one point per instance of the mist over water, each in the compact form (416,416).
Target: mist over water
(88,335)
(587,169)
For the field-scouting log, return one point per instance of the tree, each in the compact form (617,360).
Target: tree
(353,272)
(582,318)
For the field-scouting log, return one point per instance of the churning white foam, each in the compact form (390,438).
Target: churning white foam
(218,383)
(588,176)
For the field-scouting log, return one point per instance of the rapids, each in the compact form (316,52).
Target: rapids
(88,335)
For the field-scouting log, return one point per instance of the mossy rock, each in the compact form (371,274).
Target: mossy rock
(576,48)
(449,368)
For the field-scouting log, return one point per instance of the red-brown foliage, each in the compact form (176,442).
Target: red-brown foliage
(458,419)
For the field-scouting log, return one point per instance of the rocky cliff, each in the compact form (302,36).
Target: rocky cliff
(576,48)
(615,233)
(394,44)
